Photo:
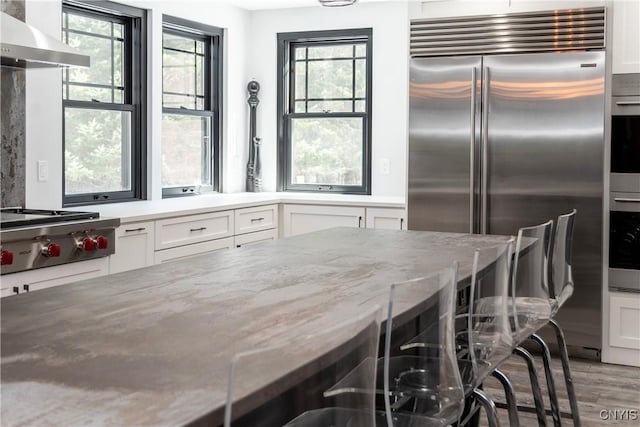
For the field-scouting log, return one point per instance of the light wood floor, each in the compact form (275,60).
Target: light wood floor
(598,386)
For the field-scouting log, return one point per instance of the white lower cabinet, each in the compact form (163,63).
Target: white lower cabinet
(185,230)
(255,238)
(195,249)
(48,277)
(386,218)
(134,247)
(624,328)
(301,219)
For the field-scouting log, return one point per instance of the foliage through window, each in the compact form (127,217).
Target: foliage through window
(103,136)
(190,120)
(324,111)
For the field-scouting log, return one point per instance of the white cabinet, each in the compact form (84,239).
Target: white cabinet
(255,238)
(626,37)
(300,219)
(386,218)
(624,328)
(186,230)
(134,247)
(43,278)
(248,220)
(188,251)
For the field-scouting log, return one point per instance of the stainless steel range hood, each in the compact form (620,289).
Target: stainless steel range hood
(23,46)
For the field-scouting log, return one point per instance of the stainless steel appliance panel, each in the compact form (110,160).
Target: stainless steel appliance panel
(443,137)
(543,149)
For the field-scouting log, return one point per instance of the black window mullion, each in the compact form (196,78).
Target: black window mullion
(113,82)
(353,80)
(306,79)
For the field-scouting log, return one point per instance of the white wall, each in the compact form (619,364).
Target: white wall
(44,97)
(390,74)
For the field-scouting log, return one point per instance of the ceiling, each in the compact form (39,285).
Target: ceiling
(281,4)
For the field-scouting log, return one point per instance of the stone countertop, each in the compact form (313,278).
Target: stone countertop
(153,346)
(147,210)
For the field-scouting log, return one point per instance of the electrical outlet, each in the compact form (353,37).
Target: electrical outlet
(43,170)
(384,166)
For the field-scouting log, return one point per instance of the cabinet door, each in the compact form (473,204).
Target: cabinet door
(134,247)
(626,37)
(248,220)
(255,238)
(185,230)
(43,278)
(386,218)
(189,251)
(624,320)
(300,219)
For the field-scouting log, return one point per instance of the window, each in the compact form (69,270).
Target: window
(324,111)
(190,106)
(103,113)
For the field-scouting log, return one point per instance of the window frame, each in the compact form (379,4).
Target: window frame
(134,21)
(213,37)
(286,105)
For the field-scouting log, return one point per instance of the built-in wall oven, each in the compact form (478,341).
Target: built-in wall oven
(624,219)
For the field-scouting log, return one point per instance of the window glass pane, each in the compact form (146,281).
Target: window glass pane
(326,151)
(361,78)
(330,106)
(361,50)
(107,63)
(186,150)
(335,51)
(361,107)
(183,72)
(330,79)
(94,93)
(300,52)
(89,25)
(301,70)
(300,107)
(118,30)
(97,150)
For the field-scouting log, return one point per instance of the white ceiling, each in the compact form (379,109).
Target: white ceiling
(281,4)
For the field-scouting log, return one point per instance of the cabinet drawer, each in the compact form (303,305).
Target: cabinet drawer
(257,237)
(189,251)
(300,219)
(134,247)
(386,218)
(48,277)
(181,231)
(255,219)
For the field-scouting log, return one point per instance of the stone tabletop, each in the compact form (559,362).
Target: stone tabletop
(152,346)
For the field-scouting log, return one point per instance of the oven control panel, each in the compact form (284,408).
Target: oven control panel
(55,249)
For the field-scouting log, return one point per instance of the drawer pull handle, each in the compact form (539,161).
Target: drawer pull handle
(257,219)
(627,102)
(133,230)
(626,200)
(198,229)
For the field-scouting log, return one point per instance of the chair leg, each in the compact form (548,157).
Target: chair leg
(564,357)
(510,395)
(489,407)
(553,398)
(535,385)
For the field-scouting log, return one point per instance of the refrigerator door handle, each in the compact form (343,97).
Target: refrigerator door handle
(484,185)
(472,152)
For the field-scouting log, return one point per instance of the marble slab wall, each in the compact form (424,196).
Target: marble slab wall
(12,123)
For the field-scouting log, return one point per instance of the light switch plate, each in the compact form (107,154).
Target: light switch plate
(43,170)
(384,166)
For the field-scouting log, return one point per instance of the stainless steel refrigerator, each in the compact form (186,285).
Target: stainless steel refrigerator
(505,141)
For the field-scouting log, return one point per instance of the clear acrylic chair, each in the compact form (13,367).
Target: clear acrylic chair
(424,388)
(332,372)
(486,338)
(562,284)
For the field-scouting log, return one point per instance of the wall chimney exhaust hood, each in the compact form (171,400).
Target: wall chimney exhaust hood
(23,46)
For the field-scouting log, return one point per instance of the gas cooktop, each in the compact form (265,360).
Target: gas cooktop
(20,217)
